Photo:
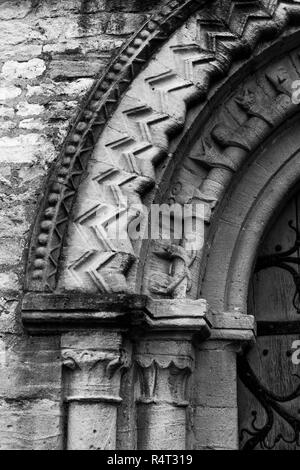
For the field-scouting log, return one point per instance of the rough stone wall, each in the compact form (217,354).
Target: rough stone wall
(50,52)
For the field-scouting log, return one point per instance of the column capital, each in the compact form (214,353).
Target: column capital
(164,365)
(95,361)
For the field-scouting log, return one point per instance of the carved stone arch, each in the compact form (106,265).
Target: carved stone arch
(254,203)
(218,154)
(209,40)
(192,98)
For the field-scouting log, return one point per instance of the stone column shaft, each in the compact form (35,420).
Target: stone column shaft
(165,358)
(215,420)
(164,367)
(93,362)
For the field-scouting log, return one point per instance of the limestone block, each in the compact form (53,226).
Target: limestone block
(13,222)
(54,8)
(102,44)
(26,109)
(6,112)
(31,69)
(30,425)
(14,32)
(11,9)
(59,48)
(215,378)
(61,110)
(25,148)
(76,88)
(216,428)
(125,23)
(74,68)
(9,281)
(85,420)
(21,52)
(11,251)
(7,126)
(167,425)
(9,321)
(30,367)
(32,124)
(9,93)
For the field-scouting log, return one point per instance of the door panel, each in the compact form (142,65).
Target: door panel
(269,381)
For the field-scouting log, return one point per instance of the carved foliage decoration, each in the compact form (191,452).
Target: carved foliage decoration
(93,374)
(164,378)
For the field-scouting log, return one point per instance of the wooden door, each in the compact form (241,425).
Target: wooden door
(269,376)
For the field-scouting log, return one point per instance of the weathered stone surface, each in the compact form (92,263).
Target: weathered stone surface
(11,9)
(9,322)
(13,251)
(9,93)
(169,424)
(39,40)
(30,367)
(30,425)
(216,428)
(58,43)
(32,124)
(215,379)
(20,52)
(31,69)
(74,69)
(13,221)
(6,112)
(93,365)
(25,109)
(9,281)
(25,148)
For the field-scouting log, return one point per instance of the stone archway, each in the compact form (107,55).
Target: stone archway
(254,204)
(157,119)
(208,42)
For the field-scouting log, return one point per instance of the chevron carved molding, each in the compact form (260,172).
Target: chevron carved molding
(114,156)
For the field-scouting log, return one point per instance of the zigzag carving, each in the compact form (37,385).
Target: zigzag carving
(100,233)
(242,13)
(148,130)
(215,35)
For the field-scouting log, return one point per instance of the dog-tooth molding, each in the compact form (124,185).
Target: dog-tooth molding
(52,220)
(129,133)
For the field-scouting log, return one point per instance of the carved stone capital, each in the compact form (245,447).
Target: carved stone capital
(87,360)
(164,351)
(94,361)
(164,366)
